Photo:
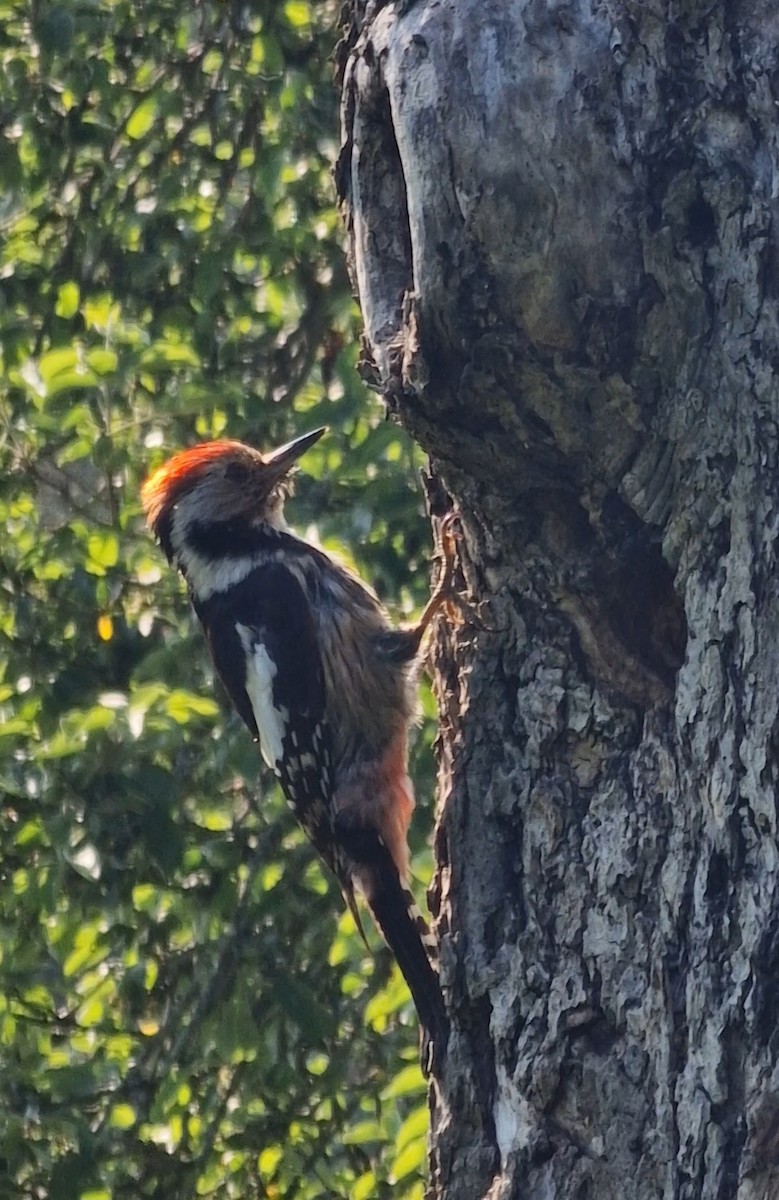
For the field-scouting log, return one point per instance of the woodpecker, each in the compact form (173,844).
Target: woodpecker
(315,669)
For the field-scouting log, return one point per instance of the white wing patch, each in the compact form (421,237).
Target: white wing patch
(260,673)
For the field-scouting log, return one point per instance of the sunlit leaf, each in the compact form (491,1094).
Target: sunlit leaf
(57,362)
(68,295)
(182,706)
(142,119)
(122,1116)
(297,12)
(103,549)
(105,627)
(102,362)
(269,1159)
(365,1187)
(405,1083)
(413,1128)
(362,1133)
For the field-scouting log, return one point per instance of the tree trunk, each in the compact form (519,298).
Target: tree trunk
(562,229)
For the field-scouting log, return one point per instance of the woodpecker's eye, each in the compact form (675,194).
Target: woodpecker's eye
(237,472)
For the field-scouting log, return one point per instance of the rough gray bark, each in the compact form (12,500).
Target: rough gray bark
(562,219)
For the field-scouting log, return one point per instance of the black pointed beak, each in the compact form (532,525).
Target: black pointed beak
(280,461)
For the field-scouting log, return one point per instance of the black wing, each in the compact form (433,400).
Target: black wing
(263,642)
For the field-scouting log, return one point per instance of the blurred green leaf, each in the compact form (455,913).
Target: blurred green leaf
(103,549)
(363,1132)
(409,1161)
(68,296)
(413,1129)
(142,118)
(407,1082)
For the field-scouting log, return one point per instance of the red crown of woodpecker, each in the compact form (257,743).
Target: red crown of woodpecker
(163,487)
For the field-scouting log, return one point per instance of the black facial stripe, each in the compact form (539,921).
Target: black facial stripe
(214,540)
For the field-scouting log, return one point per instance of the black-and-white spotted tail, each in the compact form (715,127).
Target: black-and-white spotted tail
(403,927)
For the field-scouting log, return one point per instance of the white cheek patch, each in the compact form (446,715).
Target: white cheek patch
(206,578)
(260,673)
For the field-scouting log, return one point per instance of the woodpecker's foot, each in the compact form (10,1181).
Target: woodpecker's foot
(448,534)
(460,610)
(445,594)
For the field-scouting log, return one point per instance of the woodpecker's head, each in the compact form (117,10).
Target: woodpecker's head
(220,482)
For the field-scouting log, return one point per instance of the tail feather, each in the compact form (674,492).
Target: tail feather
(347,891)
(405,931)
(406,934)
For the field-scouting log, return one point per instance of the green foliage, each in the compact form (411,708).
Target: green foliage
(181,1014)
